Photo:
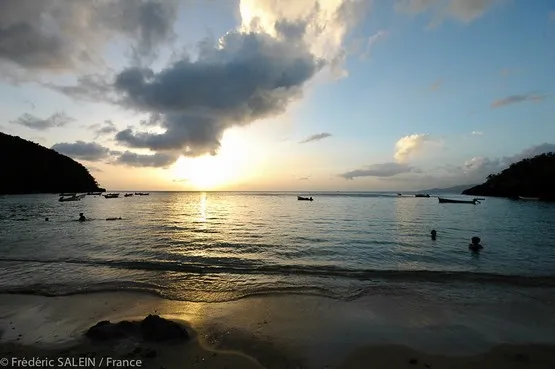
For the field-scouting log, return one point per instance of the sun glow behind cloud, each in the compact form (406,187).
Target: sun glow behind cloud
(219,171)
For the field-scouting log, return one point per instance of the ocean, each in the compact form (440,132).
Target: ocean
(223,246)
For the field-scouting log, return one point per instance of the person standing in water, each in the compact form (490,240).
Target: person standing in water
(434,234)
(475,244)
(82,217)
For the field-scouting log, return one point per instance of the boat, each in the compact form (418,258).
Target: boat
(141,193)
(128,195)
(67,194)
(422,195)
(111,195)
(70,198)
(94,193)
(528,198)
(399,194)
(453,201)
(300,198)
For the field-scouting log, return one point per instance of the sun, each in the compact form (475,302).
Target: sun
(212,172)
(203,173)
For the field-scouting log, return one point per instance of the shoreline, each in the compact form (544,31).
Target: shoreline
(289,331)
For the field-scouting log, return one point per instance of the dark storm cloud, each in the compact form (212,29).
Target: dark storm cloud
(59,119)
(89,151)
(161,160)
(62,34)
(251,76)
(317,137)
(378,170)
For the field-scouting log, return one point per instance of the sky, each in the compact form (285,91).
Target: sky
(270,95)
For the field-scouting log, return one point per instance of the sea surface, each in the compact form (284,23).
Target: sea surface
(212,246)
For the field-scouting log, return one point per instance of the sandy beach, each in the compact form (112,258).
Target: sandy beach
(275,332)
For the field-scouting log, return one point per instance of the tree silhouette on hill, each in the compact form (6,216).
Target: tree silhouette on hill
(532,177)
(28,167)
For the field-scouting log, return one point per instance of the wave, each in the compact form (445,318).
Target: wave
(257,268)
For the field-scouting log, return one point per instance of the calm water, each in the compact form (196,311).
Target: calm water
(222,246)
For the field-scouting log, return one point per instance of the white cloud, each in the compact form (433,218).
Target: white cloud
(407,146)
(477,133)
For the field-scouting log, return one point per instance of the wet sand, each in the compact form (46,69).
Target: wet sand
(285,332)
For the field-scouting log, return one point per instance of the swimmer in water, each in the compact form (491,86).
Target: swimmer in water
(46,219)
(434,234)
(475,245)
(82,217)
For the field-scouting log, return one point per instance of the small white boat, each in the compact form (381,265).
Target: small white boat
(528,198)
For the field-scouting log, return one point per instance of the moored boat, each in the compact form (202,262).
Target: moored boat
(70,198)
(528,198)
(456,201)
(128,195)
(300,198)
(141,193)
(63,194)
(111,195)
(422,195)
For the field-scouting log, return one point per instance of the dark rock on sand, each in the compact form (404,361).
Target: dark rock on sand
(153,328)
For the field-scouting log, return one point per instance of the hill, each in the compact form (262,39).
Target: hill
(31,168)
(534,177)
(454,189)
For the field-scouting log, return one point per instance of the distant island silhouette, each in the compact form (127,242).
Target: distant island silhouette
(28,167)
(530,178)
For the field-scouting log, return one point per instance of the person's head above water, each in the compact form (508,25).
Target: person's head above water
(46,219)
(80,214)
(433,232)
(475,240)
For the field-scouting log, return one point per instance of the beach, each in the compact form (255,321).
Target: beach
(283,332)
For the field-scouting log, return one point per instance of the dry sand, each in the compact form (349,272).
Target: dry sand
(282,332)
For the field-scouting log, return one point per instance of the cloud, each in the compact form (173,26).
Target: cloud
(477,133)
(89,151)
(103,129)
(316,137)
(159,160)
(304,179)
(242,78)
(378,170)
(461,10)
(472,171)
(530,153)
(248,74)
(59,119)
(436,85)
(60,35)
(373,40)
(408,145)
(513,99)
